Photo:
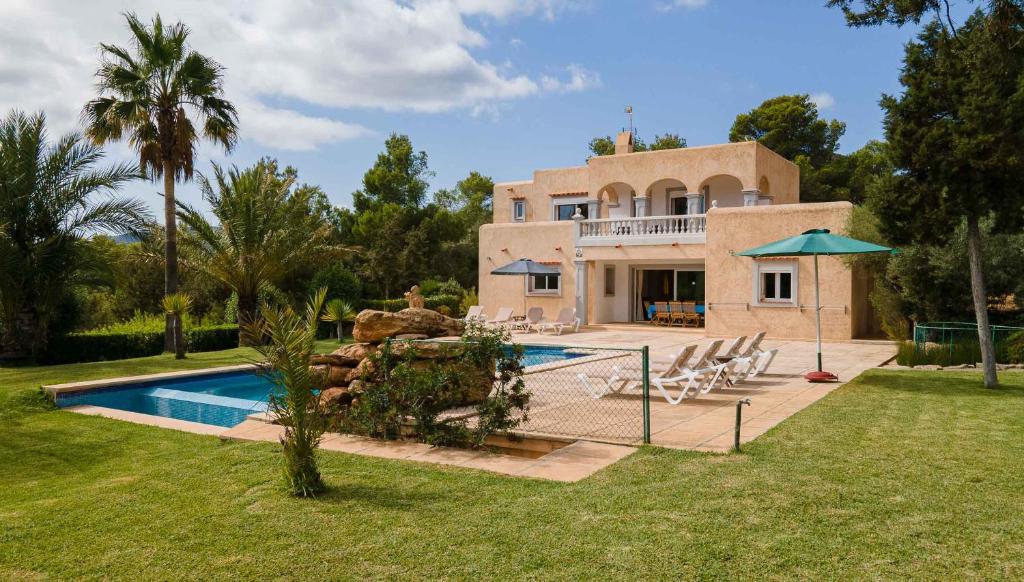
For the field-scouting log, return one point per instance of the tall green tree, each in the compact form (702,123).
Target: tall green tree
(53,196)
(955,134)
(399,176)
(162,97)
(265,231)
(790,126)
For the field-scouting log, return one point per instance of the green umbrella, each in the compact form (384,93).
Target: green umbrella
(814,242)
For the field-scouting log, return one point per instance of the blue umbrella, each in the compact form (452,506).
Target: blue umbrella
(525,267)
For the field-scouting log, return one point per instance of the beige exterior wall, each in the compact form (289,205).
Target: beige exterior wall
(747,165)
(730,279)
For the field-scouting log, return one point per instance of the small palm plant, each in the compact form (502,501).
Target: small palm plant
(177,306)
(338,311)
(290,345)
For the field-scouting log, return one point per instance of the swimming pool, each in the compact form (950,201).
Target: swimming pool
(221,398)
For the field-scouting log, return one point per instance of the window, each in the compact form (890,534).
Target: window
(566,211)
(678,206)
(518,210)
(609,281)
(775,283)
(544,284)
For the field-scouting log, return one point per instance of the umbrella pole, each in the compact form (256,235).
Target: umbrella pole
(817,307)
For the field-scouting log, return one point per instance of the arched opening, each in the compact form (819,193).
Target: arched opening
(666,197)
(764,186)
(616,200)
(723,190)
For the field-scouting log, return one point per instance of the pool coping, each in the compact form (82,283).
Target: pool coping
(54,389)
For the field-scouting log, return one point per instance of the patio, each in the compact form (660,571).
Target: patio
(707,423)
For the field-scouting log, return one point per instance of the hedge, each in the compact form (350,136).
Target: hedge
(434,302)
(95,346)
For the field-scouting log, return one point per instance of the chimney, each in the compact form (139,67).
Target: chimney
(624,143)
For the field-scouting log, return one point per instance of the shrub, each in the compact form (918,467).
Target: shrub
(1014,346)
(341,283)
(141,336)
(468,300)
(435,303)
(399,388)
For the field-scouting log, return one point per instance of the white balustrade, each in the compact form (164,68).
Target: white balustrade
(643,230)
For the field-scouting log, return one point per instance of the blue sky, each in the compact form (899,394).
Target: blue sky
(499,86)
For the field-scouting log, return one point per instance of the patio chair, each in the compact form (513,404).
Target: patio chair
(661,313)
(475,313)
(566,319)
(534,315)
(676,314)
(501,319)
(623,378)
(690,315)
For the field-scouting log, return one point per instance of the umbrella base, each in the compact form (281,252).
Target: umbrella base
(818,376)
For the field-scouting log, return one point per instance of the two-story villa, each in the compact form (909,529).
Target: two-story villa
(633,228)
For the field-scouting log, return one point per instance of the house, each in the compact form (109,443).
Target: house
(633,228)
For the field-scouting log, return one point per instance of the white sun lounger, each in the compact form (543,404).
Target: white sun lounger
(475,313)
(534,315)
(502,318)
(566,319)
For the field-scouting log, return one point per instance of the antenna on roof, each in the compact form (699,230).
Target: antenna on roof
(629,112)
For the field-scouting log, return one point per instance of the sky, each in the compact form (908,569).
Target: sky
(502,87)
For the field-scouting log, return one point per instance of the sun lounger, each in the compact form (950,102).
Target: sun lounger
(732,351)
(475,313)
(623,377)
(534,315)
(754,345)
(501,319)
(566,320)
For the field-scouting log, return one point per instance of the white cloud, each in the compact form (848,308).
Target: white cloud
(284,58)
(685,4)
(823,100)
(579,79)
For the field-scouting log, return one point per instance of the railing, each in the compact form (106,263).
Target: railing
(643,230)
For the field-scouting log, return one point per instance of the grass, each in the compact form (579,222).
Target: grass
(895,475)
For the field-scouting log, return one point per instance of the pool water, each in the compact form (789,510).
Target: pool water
(221,399)
(224,398)
(537,355)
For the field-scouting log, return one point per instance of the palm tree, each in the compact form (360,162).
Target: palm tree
(178,305)
(338,311)
(49,205)
(265,232)
(156,95)
(290,346)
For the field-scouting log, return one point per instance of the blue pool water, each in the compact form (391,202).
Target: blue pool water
(221,399)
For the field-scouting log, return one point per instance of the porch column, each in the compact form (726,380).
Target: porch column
(581,290)
(750,197)
(593,208)
(641,205)
(694,201)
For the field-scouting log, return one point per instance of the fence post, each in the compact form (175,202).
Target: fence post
(645,353)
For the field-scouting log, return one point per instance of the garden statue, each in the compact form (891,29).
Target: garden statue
(414,298)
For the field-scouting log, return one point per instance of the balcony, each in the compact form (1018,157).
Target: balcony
(647,230)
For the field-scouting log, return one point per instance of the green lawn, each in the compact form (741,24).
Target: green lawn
(895,475)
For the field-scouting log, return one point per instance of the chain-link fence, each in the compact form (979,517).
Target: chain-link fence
(599,394)
(589,393)
(951,334)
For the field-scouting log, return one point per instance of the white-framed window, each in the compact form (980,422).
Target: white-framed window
(564,208)
(609,281)
(775,283)
(518,210)
(544,284)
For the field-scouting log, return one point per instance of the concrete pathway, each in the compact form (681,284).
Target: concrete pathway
(568,464)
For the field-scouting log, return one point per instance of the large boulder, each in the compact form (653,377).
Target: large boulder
(374,326)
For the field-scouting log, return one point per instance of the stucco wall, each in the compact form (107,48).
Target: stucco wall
(541,241)
(749,162)
(730,279)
